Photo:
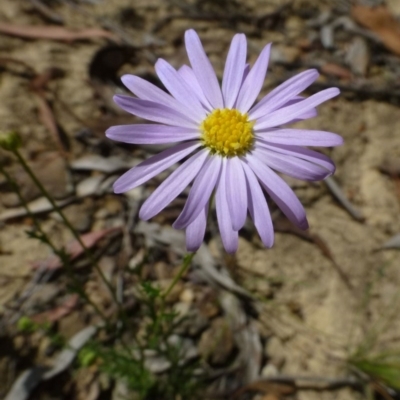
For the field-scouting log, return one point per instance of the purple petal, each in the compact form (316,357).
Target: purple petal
(301,152)
(173,186)
(203,69)
(282,94)
(307,115)
(254,81)
(235,192)
(200,192)
(196,230)
(178,88)
(289,165)
(150,134)
(234,69)
(147,91)
(279,191)
(154,111)
(286,114)
(245,72)
(301,137)
(189,77)
(229,236)
(153,166)
(258,208)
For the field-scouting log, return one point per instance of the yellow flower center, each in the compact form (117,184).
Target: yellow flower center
(227,132)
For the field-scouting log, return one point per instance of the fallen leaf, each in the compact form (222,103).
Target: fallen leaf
(29,379)
(54,32)
(108,165)
(58,312)
(74,249)
(358,56)
(46,115)
(65,358)
(391,167)
(25,384)
(36,207)
(379,20)
(336,70)
(40,81)
(274,390)
(392,243)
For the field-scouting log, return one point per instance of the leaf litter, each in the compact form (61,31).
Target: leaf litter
(349,220)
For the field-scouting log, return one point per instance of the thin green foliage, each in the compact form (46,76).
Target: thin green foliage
(178,381)
(382,367)
(120,360)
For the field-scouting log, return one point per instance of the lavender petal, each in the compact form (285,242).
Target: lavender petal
(279,191)
(254,81)
(153,111)
(172,186)
(200,192)
(258,208)
(230,237)
(153,166)
(150,134)
(282,94)
(178,88)
(235,192)
(286,114)
(234,69)
(203,69)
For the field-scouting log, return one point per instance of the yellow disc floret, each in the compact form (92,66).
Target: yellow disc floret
(227,132)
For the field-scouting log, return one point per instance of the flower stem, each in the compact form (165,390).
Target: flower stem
(58,210)
(185,265)
(66,262)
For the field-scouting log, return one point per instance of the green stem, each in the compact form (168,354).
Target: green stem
(56,251)
(185,265)
(58,210)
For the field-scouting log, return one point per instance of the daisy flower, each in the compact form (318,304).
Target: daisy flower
(231,145)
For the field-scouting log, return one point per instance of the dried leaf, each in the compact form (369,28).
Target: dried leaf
(57,313)
(54,32)
(246,336)
(26,382)
(40,81)
(391,167)
(36,207)
(342,199)
(108,165)
(381,22)
(67,356)
(46,115)
(89,186)
(277,390)
(392,243)
(336,70)
(358,56)
(74,249)
(29,379)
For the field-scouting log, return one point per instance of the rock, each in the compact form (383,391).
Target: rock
(187,296)
(192,321)
(358,56)
(79,215)
(163,270)
(284,54)
(275,352)
(176,291)
(269,370)
(51,170)
(216,343)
